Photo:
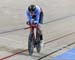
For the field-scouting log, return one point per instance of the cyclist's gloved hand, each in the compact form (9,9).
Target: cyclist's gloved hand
(34,16)
(36,22)
(27,22)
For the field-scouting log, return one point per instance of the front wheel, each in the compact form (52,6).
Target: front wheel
(30,45)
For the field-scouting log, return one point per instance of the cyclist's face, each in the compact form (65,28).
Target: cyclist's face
(31,13)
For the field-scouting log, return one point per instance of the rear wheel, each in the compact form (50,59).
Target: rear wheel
(38,46)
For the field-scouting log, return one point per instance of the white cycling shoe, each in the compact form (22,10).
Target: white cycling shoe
(42,44)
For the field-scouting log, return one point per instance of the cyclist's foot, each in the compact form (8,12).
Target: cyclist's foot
(42,44)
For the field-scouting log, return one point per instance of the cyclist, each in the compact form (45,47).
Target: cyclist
(36,13)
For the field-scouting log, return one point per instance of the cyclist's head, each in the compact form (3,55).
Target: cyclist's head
(31,8)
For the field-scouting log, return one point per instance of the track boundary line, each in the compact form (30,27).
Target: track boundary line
(59,19)
(14,30)
(13,54)
(44,43)
(60,37)
(56,51)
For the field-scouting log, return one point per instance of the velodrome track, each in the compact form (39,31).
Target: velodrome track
(58,29)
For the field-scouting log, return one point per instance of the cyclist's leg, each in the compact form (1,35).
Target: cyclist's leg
(41,17)
(41,35)
(40,31)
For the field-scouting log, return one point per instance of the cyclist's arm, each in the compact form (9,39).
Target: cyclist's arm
(37,17)
(28,16)
(37,20)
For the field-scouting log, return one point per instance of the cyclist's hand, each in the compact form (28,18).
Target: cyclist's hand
(27,23)
(35,24)
(32,21)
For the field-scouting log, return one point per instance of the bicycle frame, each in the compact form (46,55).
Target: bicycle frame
(32,27)
(33,39)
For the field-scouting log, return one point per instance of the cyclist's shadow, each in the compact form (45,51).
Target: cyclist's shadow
(35,54)
(25,53)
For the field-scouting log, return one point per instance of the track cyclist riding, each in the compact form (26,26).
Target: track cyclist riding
(35,16)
